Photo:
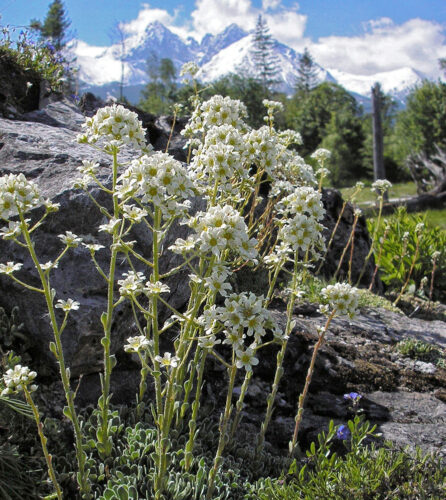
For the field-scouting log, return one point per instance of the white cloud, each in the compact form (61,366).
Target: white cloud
(146,16)
(288,26)
(385,46)
(212,16)
(270,4)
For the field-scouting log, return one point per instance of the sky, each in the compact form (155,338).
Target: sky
(362,37)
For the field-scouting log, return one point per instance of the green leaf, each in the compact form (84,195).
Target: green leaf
(53,349)
(67,412)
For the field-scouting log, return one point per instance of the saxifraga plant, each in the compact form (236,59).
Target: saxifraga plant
(154,192)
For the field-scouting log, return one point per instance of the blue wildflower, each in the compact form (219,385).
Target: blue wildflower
(353,396)
(343,432)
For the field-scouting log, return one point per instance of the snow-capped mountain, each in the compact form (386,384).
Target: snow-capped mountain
(238,58)
(397,83)
(230,51)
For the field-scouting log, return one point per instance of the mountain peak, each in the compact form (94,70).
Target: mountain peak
(212,44)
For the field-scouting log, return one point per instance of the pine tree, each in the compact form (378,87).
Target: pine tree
(307,73)
(55,25)
(263,55)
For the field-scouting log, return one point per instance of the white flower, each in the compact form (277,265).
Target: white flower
(380,186)
(67,305)
(93,247)
(12,231)
(246,358)
(221,228)
(436,255)
(321,155)
(70,239)
(110,226)
(156,288)
(157,179)
(10,267)
(49,265)
(50,206)
(167,360)
(132,284)
(17,378)
(217,283)
(288,137)
(419,228)
(134,213)
(183,246)
(117,125)
(189,68)
(88,168)
(342,299)
(17,194)
(137,344)
(208,342)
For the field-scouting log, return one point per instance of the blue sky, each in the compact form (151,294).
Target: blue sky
(361,36)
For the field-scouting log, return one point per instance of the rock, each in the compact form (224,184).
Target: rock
(20,91)
(63,114)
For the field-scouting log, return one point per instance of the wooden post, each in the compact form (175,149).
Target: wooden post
(378,143)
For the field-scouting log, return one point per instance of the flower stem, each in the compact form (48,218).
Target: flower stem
(195,407)
(239,404)
(104,443)
(223,432)
(43,441)
(70,411)
(303,396)
(279,369)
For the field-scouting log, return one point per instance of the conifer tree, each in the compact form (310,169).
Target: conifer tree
(55,25)
(307,74)
(263,55)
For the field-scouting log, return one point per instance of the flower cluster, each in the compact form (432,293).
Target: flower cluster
(381,186)
(264,149)
(215,112)
(189,68)
(341,299)
(242,316)
(158,179)
(300,229)
(303,201)
(116,125)
(17,378)
(321,155)
(17,194)
(132,284)
(220,229)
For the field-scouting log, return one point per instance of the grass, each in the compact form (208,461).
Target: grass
(434,217)
(366,196)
